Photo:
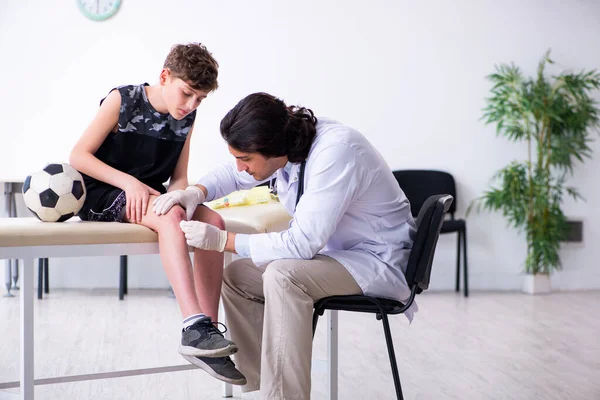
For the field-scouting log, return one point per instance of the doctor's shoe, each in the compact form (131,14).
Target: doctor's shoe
(204,340)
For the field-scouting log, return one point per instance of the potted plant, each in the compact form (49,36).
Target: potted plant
(554,116)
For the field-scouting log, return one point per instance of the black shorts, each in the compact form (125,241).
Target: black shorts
(112,209)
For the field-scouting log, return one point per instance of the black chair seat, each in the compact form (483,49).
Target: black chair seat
(453,225)
(361,304)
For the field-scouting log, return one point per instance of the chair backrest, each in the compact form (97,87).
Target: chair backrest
(429,223)
(418,185)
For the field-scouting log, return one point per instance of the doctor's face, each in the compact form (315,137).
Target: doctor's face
(257,165)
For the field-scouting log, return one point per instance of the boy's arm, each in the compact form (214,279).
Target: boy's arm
(82,156)
(179,179)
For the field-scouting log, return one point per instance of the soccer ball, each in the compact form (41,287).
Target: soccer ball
(55,193)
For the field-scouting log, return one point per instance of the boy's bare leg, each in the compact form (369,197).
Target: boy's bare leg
(174,256)
(208,267)
(201,343)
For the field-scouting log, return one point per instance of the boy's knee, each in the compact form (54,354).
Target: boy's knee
(205,214)
(174,216)
(215,219)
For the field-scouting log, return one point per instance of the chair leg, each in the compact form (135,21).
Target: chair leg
(40,277)
(392,354)
(122,277)
(46,277)
(458,240)
(466,277)
(315,320)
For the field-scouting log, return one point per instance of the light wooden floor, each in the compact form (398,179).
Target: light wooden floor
(490,346)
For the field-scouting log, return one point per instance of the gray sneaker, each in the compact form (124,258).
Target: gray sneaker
(203,339)
(221,368)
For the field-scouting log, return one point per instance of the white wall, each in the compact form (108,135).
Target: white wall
(409,75)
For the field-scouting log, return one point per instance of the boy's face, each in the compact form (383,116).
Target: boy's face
(257,165)
(180,98)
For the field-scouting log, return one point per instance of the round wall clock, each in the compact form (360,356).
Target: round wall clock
(98,10)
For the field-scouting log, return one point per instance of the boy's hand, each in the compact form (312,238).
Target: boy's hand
(188,199)
(204,236)
(137,195)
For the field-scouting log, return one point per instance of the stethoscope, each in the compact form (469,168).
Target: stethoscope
(273,185)
(300,183)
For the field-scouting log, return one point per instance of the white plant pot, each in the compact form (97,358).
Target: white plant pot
(536,284)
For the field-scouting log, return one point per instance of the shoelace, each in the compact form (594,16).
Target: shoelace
(212,329)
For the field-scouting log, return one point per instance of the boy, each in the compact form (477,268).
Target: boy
(138,140)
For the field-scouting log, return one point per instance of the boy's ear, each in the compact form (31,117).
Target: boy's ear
(165,76)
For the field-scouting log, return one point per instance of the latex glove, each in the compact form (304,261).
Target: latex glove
(204,236)
(188,199)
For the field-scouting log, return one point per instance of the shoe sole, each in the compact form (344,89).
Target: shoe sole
(200,364)
(195,352)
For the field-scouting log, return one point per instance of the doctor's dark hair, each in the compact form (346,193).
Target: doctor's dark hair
(262,123)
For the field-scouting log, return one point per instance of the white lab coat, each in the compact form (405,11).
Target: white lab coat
(352,210)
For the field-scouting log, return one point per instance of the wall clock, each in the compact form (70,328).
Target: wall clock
(98,10)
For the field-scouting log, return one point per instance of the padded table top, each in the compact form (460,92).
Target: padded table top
(14,232)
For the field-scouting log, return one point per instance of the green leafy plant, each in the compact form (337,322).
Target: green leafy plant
(555,116)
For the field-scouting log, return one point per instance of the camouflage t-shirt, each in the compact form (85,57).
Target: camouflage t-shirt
(147,145)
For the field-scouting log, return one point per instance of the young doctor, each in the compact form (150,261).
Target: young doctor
(351,233)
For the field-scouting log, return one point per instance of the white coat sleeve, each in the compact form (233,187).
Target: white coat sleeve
(334,177)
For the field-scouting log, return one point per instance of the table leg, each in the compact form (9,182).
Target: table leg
(13,214)
(27,358)
(8,263)
(46,277)
(332,350)
(7,276)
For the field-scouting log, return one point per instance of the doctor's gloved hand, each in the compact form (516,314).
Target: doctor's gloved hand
(188,199)
(204,236)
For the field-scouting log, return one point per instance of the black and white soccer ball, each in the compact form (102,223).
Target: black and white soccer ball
(55,193)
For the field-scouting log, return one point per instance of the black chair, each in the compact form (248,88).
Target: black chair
(418,272)
(418,185)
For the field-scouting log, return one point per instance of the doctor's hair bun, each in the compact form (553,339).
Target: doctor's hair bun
(262,123)
(300,132)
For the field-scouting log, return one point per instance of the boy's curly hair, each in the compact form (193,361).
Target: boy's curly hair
(194,64)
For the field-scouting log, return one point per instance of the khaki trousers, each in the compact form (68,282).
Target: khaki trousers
(269,316)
